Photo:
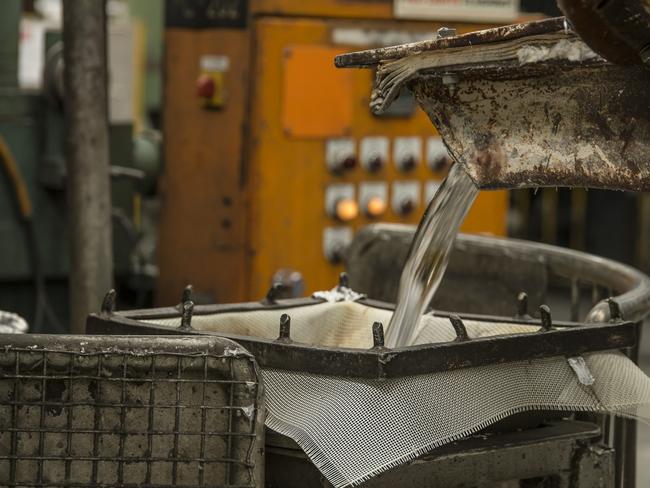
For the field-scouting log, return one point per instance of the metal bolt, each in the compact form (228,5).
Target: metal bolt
(186,315)
(522,304)
(187,294)
(614,309)
(446,32)
(108,304)
(377,335)
(285,328)
(545,314)
(344,281)
(459,327)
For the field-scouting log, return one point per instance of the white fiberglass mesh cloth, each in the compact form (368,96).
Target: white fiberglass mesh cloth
(339,324)
(353,429)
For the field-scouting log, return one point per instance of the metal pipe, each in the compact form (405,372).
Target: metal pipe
(89,198)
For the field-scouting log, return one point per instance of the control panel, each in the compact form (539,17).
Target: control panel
(285,159)
(395,179)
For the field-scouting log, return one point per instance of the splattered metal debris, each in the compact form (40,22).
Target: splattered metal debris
(527,106)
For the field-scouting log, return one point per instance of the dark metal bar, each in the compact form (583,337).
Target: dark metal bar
(522,305)
(459,327)
(89,197)
(377,335)
(285,329)
(187,294)
(545,314)
(404,361)
(614,309)
(186,316)
(108,304)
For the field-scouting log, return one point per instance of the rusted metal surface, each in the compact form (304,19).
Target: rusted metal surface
(619,31)
(128,411)
(575,127)
(565,339)
(372,57)
(526,106)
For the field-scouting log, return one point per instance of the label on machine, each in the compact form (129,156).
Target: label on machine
(471,10)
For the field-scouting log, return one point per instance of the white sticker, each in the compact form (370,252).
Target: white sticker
(214,62)
(473,10)
(354,36)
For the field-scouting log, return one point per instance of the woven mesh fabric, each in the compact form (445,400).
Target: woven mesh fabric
(353,429)
(339,324)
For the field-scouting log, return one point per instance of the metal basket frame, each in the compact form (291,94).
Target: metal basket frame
(94,411)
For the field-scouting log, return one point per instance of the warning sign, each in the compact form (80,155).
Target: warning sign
(467,10)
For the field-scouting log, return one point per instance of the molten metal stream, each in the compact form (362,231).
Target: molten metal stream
(429,254)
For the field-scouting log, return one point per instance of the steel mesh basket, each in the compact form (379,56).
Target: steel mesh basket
(99,411)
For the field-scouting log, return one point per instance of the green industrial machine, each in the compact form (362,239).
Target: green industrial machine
(34,255)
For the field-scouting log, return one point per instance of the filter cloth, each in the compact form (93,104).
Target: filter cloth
(353,429)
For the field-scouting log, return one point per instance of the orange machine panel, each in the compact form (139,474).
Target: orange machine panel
(202,234)
(273,158)
(308,69)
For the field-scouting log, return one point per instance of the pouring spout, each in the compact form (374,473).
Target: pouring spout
(528,105)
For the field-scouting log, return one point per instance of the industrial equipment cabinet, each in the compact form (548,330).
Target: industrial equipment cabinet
(272,156)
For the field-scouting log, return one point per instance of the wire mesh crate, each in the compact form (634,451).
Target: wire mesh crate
(99,411)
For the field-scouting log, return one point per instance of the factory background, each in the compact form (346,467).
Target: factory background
(242,162)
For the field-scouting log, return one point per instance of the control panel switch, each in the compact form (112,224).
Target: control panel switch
(373,198)
(438,158)
(340,155)
(406,197)
(407,153)
(374,153)
(340,203)
(336,241)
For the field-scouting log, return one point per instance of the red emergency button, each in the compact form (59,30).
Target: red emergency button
(205,86)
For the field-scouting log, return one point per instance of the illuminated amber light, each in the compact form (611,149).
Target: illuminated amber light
(375,206)
(346,209)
